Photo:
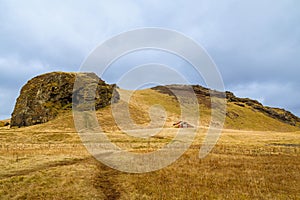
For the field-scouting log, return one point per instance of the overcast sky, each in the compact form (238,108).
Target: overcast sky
(254,43)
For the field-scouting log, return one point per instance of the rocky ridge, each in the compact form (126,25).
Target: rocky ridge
(204,94)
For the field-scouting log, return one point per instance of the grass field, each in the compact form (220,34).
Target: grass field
(38,164)
(48,161)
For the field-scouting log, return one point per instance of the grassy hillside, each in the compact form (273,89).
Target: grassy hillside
(239,116)
(48,161)
(245,118)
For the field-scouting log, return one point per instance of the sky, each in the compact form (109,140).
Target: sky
(254,43)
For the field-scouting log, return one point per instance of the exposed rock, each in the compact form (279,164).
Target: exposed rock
(204,96)
(199,90)
(202,93)
(232,115)
(276,113)
(240,104)
(44,96)
(5,122)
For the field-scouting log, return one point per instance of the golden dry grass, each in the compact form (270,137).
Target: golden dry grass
(243,165)
(49,161)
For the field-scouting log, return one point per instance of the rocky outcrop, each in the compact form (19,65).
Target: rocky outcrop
(204,94)
(45,96)
(276,113)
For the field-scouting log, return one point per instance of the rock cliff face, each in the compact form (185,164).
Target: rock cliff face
(44,96)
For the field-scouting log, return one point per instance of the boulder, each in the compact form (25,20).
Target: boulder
(44,97)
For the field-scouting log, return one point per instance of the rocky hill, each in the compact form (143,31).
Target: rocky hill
(44,97)
(204,94)
(276,113)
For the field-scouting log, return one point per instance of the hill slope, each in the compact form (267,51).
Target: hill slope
(241,113)
(51,160)
(237,117)
(44,97)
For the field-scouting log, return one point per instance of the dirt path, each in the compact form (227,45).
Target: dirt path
(42,167)
(106,181)
(104,177)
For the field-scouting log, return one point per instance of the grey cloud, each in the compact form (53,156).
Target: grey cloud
(7,97)
(282,95)
(252,42)
(137,58)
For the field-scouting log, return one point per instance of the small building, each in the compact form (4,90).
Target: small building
(182,124)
